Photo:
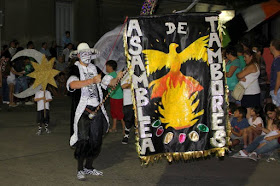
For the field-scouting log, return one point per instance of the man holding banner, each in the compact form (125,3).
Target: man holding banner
(85,83)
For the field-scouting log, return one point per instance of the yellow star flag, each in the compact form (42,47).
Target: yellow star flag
(44,73)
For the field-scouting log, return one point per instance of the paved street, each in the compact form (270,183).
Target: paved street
(27,159)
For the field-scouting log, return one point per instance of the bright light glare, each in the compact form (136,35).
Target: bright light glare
(226,15)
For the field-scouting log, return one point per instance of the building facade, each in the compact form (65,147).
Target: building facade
(87,20)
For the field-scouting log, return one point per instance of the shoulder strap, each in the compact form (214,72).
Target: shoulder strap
(257,66)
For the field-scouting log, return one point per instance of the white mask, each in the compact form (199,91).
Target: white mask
(85,57)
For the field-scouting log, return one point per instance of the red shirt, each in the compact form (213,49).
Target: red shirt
(268,58)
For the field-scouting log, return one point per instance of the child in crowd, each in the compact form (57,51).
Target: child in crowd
(60,64)
(253,151)
(43,100)
(238,124)
(232,107)
(255,121)
(274,132)
(116,97)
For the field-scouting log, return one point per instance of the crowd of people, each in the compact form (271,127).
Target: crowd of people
(255,118)
(14,73)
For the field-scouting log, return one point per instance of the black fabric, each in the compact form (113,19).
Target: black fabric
(76,95)
(89,162)
(53,52)
(81,163)
(42,118)
(251,101)
(236,28)
(129,117)
(19,65)
(90,132)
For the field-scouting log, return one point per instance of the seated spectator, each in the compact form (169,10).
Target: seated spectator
(271,143)
(21,79)
(253,151)
(255,121)
(60,64)
(30,45)
(28,68)
(66,52)
(53,49)
(45,50)
(13,48)
(238,124)
(66,39)
(232,107)
(272,134)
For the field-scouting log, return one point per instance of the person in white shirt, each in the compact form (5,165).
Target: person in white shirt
(248,77)
(43,100)
(274,132)
(255,122)
(254,150)
(128,111)
(13,48)
(87,131)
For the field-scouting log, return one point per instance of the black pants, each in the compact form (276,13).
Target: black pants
(90,132)
(129,117)
(43,118)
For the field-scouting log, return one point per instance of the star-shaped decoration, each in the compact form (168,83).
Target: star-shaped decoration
(44,73)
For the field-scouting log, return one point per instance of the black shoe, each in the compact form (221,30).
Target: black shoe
(125,140)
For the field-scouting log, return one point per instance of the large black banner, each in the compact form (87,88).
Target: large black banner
(178,85)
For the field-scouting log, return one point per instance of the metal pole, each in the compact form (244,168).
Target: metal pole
(188,8)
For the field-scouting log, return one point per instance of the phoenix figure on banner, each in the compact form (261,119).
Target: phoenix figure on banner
(175,87)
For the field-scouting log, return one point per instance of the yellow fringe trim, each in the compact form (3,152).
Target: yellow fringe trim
(128,60)
(176,156)
(220,29)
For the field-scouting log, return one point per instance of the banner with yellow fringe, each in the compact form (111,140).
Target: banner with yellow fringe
(178,86)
